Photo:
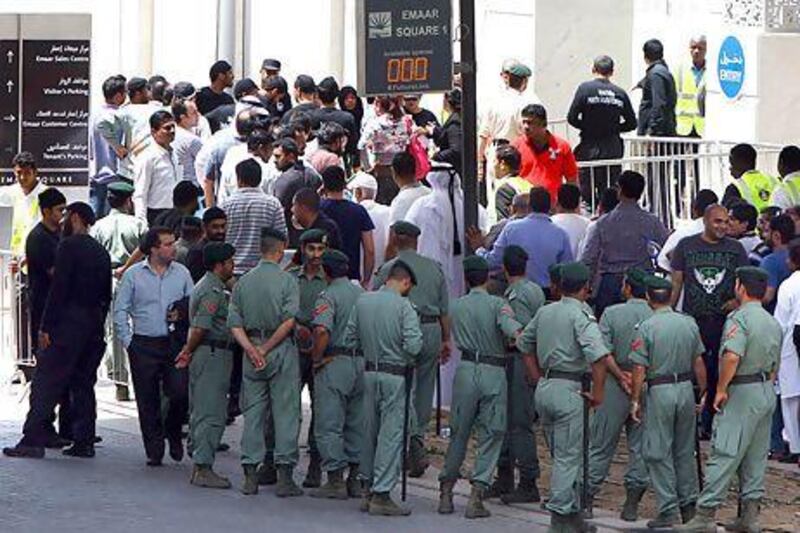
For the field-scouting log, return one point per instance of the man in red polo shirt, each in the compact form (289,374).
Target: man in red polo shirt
(547,160)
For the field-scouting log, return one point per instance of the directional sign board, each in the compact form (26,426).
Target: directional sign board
(404,46)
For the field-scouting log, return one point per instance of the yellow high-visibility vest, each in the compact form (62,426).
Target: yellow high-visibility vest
(687,108)
(756,188)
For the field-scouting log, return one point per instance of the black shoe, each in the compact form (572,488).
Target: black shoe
(789,458)
(56,443)
(223,447)
(97,439)
(176,450)
(20,450)
(79,450)
(154,461)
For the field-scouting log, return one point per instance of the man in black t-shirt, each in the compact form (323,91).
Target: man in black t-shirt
(211,97)
(421,116)
(704,266)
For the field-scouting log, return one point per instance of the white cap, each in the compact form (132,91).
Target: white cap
(364,181)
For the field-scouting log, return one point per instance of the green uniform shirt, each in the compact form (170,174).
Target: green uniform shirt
(525,298)
(618,326)
(208,307)
(119,233)
(310,289)
(481,323)
(667,343)
(564,335)
(429,296)
(333,307)
(386,327)
(755,336)
(264,298)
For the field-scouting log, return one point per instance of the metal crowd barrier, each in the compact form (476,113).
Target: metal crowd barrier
(16,355)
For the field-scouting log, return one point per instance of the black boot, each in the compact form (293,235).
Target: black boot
(526,492)
(314,475)
(503,483)
(630,509)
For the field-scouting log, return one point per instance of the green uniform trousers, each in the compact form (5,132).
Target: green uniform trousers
(560,407)
(668,445)
(273,390)
(607,424)
(519,444)
(740,444)
(381,455)
(479,401)
(425,383)
(116,357)
(339,420)
(209,380)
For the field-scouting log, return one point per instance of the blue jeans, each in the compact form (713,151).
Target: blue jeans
(98,198)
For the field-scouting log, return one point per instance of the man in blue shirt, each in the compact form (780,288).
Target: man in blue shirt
(102,156)
(545,243)
(144,296)
(781,232)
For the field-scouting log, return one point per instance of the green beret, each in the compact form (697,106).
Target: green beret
(268,232)
(315,236)
(335,260)
(512,66)
(120,188)
(752,274)
(635,277)
(554,271)
(475,263)
(403,264)
(401,227)
(515,253)
(575,273)
(657,283)
(217,252)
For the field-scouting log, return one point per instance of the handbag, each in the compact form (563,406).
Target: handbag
(417,150)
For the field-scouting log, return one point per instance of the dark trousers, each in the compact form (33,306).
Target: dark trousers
(153,370)
(609,292)
(235,387)
(776,443)
(98,198)
(67,367)
(387,188)
(307,379)
(711,334)
(152,214)
(594,180)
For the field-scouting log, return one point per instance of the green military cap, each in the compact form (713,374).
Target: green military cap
(315,236)
(407,267)
(475,263)
(401,227)
(657,283)
(335,260)
(575,273)
(268,232)
(636,277)
(554,271)
(120,188)
(515,67)
(515,253)
(751,274)
(217,252)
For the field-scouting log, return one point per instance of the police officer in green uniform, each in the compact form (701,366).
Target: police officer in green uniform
(744,401)
(311,282)
(431,300)
(338,382)
(208,354)
(385,326)
(481,325)
(119,233)
(519,445)
(667,355)
(565,341)
(261,316)
(618,326)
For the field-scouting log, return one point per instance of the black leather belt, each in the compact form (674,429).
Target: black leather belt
(670,379)
(493,360)
(213,343)
(561,374)
(386,368)
(260,333)
(428,319)
(744,379)
(333,351)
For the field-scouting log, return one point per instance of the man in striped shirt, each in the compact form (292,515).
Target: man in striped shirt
(250,209)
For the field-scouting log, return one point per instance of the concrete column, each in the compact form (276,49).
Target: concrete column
(336,39)
(226,30)
(146,22)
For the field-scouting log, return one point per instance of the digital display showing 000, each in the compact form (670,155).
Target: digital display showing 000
(406,69)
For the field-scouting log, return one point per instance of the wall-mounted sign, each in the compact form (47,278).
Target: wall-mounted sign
(731,67)
(404,46)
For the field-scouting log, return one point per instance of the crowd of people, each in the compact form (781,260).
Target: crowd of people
(247,246)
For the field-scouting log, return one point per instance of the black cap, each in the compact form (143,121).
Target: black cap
(269,232)
(183,89)
(217,252)
(83,210)
(50,198)
(244,86)
(305,84)
(136,84)
(329,85)
(270,64)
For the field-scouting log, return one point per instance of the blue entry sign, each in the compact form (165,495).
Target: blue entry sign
(730,67)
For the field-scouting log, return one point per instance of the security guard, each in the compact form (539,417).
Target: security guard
(481,325)
(338,382)
(431,300)
(667,354)
(385,326)
(564,337)
(519,446)
(745,400)
(261,316)
(311,282)
(119,233)
(690,109)
(208,354)
(787,194)
(618,326)
(754,186)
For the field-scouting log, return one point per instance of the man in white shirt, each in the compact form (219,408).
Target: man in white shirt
(704,198)
(155,173)
(23,198)
(364,188)
(186,144)
(404,168)
(568,216)
(258,147)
